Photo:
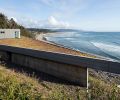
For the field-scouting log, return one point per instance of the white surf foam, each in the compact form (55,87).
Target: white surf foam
(108,47)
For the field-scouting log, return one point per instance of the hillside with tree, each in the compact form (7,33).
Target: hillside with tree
(6,23)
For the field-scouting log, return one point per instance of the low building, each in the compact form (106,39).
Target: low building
(9,33)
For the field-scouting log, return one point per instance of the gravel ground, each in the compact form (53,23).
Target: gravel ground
(105,76)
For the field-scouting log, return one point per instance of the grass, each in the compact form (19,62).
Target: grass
(17,86)
(103,91)
(25,42)
(20,86)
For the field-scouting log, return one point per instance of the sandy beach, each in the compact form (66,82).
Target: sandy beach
(40,45)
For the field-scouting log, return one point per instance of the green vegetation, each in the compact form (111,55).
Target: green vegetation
(20,86)
(101,90)
(15,86)
(6,23)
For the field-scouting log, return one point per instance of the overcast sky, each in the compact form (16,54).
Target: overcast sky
(93,15)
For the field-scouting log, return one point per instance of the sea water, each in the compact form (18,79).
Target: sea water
(106,44)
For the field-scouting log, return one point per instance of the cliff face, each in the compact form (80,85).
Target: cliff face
(10,23)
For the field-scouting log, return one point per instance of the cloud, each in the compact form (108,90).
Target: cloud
(69,6)
(51,22)
(65,9)
(27,22)
(15,19)
(62,9)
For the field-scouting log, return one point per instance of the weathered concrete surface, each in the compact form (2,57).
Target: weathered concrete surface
(64,71)
(99,64)
(69,67)
(4,55)
(72,73)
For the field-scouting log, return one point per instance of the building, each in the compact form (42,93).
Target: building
(9,33)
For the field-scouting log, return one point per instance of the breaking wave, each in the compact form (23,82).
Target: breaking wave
(106,44)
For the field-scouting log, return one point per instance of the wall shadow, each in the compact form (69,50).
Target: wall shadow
(37,74)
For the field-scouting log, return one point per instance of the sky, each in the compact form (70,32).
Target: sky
(91,15)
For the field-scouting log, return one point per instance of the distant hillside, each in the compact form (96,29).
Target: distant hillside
(67,30)
(41,30)
(53,30)
(10,23)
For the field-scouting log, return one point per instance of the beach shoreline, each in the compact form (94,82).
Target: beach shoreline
(44,45)
(44,39)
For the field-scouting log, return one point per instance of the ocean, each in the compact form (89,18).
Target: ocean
(104,44)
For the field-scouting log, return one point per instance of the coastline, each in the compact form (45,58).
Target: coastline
(41,37)
(44,39)
(44,45)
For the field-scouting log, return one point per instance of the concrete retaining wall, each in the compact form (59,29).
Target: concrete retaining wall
(69,67)
(95,63)
(4,55)
(71,73)
(64,71)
